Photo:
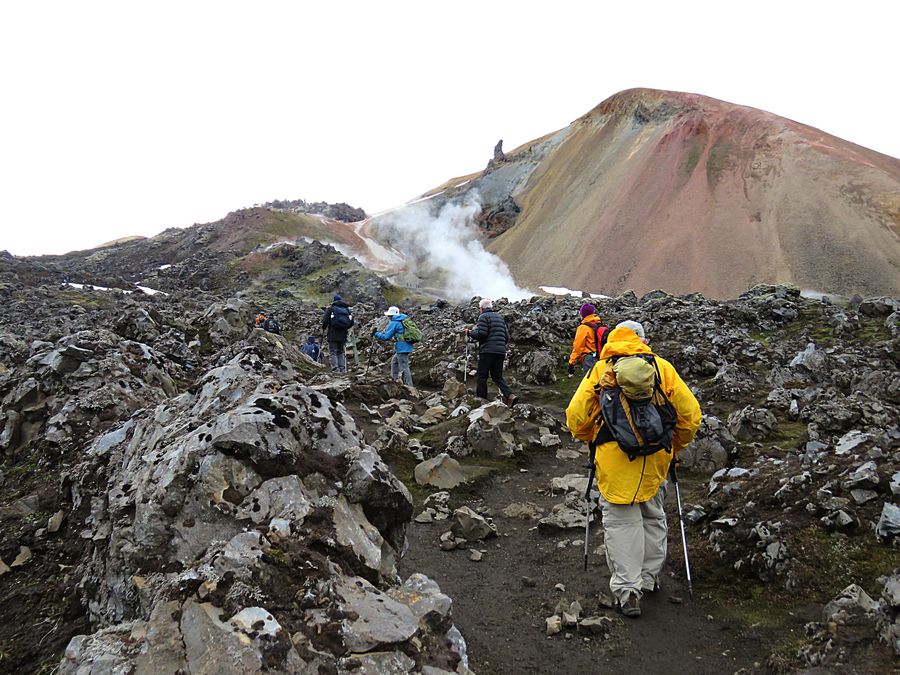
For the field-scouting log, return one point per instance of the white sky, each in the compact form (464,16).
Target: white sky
(121,118)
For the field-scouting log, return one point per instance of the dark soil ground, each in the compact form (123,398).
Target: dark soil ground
(503,618)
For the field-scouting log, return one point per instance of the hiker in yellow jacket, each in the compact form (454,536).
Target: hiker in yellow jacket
(632,491)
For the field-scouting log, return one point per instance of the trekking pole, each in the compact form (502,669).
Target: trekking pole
(466,371)
(355,350)
(370,350)
(587,502)
(369,356)
(687,562)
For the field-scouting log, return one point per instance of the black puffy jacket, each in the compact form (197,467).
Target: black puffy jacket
(491,333)
(336,334)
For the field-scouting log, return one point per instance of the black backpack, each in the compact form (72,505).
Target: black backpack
(272,326)
(640,427)
(340,318)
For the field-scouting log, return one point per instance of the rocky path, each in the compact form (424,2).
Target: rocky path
(502,602)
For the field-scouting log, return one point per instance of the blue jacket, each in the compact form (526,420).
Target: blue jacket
(395,330)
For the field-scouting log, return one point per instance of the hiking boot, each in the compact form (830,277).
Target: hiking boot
(510,400)
(631,607)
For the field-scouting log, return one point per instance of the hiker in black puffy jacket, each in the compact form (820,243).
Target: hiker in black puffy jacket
(492,336)
(337,320)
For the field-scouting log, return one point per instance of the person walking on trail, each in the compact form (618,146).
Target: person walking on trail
(632,482)
(402,349)
(337,320)
(493,337)
(260,320)
(589,338)
(270,325)
(311,348)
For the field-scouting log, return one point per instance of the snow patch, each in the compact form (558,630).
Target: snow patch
(145,289)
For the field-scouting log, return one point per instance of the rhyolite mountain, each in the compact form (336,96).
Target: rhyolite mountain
(657,189)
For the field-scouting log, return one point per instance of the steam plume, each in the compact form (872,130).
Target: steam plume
(441,250)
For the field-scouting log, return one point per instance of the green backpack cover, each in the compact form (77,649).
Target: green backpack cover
(411,332)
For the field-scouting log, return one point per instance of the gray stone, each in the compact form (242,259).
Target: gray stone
(554,625)
(454,389)
(23,558)
(566,516)
(523,510)
(571,482)
(752,423)
(214,646)
(55,521)
(810,361)
(888,526)
(377,663)
(852,441)
(442,471)
(852,600)
(424,598)
(379,619)
(863,477)
(163,650)
(283,497)
(863,496)
(353,529)
(433,415)
(469,525)
(891,592)
(596,625)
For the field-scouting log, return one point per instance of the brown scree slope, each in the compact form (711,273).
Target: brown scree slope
(656,189)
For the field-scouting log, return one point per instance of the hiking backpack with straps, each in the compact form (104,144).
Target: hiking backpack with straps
(340,318)
(601,335)
(411,332)
(635,411)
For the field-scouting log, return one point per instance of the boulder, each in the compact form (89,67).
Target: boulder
(470,526)
(888,527)
(441,471)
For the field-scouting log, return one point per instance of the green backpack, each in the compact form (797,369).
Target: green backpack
(411,332)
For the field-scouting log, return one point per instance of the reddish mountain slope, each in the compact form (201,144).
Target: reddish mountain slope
(656,189)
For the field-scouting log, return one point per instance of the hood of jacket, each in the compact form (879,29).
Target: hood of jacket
(591,318)
(623,342)
(399,317)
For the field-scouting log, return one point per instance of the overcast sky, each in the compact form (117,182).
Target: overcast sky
(122,118)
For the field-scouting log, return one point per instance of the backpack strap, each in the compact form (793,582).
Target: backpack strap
(600,339)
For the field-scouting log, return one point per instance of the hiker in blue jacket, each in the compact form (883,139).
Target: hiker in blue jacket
(402,349)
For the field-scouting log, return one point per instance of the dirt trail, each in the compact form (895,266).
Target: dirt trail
(503,618)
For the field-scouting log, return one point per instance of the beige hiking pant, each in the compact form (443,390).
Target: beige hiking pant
(635,536)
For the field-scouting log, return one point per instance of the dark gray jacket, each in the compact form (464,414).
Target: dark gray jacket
(491,333)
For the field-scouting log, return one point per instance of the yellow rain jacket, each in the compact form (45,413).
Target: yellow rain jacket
(623,481)
(585,341)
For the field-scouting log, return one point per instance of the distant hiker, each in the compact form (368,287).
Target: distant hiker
(590,337)
(402,348)
(260,320)
(311,348)
(271,325)
(631,467)
(492,335)
(337,320)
